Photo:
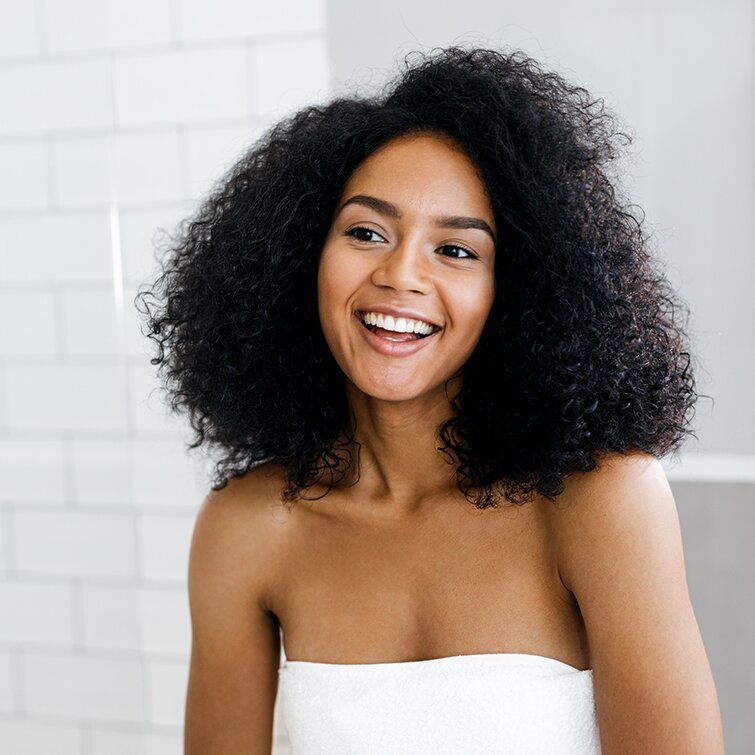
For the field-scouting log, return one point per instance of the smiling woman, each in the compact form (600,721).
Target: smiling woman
(429,259)
(431,344)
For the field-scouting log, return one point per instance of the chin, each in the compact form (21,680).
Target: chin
(387,391)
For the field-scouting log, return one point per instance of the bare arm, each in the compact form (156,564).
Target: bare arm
(621,554)
(235,648)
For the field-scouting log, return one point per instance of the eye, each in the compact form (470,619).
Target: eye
(469,252)
(352,232)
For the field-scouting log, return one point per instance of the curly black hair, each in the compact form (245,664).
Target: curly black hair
(582,353)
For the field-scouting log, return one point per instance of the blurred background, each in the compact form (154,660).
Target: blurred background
(116,116)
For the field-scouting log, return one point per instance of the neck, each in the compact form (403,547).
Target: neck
(396,464)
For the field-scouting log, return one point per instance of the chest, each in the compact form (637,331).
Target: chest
(355,591)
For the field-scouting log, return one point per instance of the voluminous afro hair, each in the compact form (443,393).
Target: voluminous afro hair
(582,353)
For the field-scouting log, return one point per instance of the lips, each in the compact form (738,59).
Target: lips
(390,348)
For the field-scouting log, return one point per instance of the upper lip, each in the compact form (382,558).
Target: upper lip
(395,313)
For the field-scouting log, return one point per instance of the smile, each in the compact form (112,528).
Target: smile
(394,346)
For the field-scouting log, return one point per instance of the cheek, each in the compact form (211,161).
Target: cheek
(340,270)
(335,287)
(327,281)
(477,303)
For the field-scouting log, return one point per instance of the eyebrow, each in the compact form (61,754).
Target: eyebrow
(444,221)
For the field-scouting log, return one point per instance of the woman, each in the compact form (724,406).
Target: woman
(429,340)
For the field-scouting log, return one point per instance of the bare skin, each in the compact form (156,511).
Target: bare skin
(398,526)
(402,552)
(372,258)
(398,565)
(356,588)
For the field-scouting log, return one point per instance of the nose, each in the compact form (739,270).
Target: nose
(403,268)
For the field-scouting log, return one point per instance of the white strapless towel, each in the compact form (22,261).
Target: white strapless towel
(480,704)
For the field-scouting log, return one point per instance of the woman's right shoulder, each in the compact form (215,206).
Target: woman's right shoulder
(254,495)
(235,655)
(253,492)
(241,528)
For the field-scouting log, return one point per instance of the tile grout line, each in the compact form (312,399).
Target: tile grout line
(40,24)
(4,424)
(9,542)
(77,617)
(20,703)
(49,57)
(133,129)
(175,23)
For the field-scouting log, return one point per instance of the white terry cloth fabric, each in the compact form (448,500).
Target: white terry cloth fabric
(484,703)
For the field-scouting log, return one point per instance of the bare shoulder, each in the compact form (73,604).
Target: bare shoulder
(620,552)
(625,483)
(235,651)
(241,524)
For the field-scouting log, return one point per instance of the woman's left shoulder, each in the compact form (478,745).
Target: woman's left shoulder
(619,551)
(626,498)
(615,467)
(618,481)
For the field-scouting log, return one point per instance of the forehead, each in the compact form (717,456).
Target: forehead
(422,165)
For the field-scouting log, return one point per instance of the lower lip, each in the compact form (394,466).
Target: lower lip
(393,348)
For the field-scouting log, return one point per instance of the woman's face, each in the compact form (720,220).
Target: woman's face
(413,233)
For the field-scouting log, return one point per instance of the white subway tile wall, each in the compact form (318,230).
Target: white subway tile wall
(120,742)
(42,614)
(34,737)
(32,470)
(34,333)
(19,35)
(23,179)
(187,85)
(56,247)
(5,555)
(116,118)
(7,691)
(56,95)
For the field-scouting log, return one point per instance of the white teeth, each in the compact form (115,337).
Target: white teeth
(398,325)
